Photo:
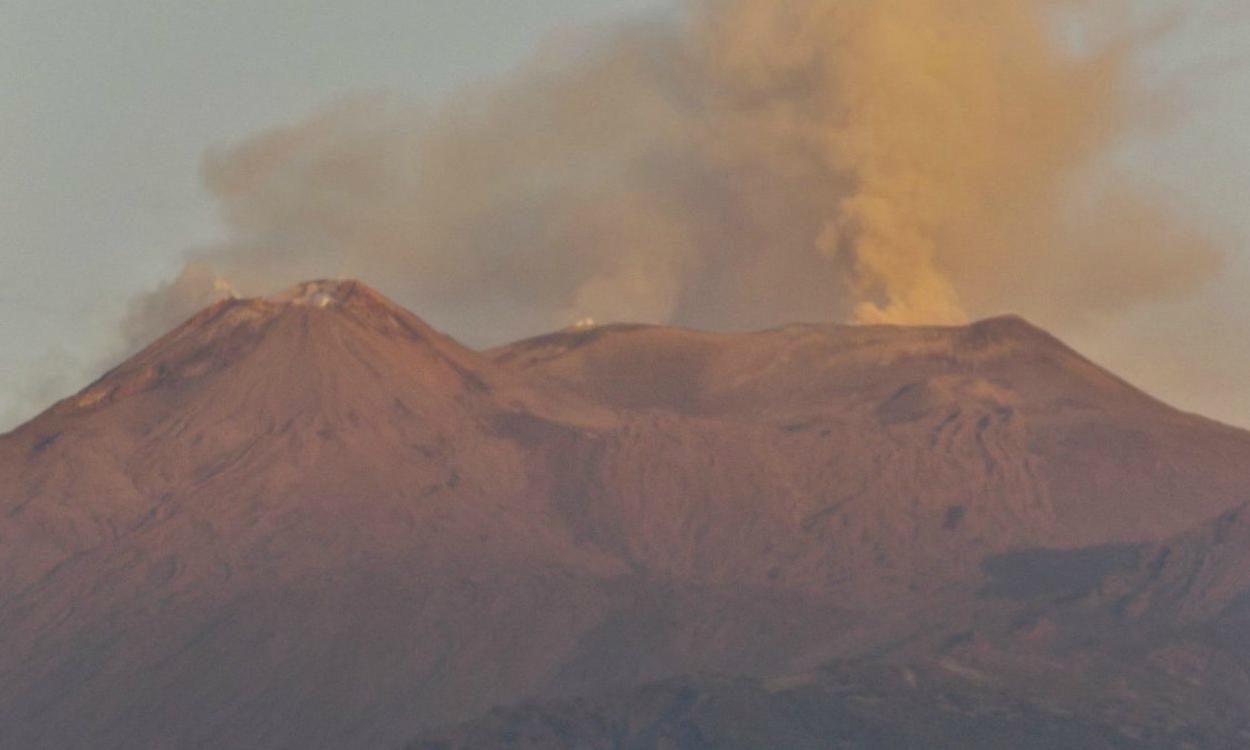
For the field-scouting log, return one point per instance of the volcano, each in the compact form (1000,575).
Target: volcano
(311,520)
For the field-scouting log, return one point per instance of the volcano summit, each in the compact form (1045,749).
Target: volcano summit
(311,520)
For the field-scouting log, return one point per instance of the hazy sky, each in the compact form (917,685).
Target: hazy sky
(106,109)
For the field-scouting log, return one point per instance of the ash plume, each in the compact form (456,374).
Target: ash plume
(746,163)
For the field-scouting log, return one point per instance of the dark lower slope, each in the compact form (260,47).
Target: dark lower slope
(930,706)
(1141,646)
(1179,607)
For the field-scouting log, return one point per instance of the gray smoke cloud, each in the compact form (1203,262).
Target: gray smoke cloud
(747,163)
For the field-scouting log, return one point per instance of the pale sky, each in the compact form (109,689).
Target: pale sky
(107,107)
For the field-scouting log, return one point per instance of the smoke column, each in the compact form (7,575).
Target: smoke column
(747,163)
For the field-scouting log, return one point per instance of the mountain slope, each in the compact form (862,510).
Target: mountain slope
(882,449)
(312,521)
(286,507)
(929,706)
(1118,646)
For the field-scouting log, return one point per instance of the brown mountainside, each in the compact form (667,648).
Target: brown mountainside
(313,521)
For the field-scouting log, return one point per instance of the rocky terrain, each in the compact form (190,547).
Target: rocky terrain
(313,521)
(921,706)
(1131,646)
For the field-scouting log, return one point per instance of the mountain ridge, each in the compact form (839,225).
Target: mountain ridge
(315,520)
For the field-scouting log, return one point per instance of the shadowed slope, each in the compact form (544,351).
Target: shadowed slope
(928,706)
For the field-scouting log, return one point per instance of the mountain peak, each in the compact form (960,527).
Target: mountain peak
(317,331)
(1007,326)
(321,293)
(1006,333)
(351,298)
(324,293)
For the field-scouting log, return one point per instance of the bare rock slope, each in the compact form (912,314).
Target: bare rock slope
(313,521)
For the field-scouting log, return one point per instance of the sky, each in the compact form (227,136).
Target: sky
(107,111)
